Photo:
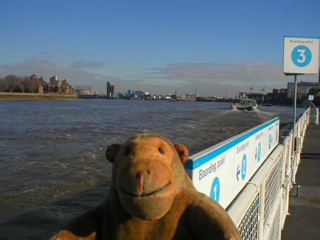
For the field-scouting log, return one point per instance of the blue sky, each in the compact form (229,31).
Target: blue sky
(156,46)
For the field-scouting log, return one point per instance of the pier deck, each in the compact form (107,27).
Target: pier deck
(304,219)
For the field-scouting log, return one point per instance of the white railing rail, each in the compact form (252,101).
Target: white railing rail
(260,209)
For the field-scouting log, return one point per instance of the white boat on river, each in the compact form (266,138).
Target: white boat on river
(244,104)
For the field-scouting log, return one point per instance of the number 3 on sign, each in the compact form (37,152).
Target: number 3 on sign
(301,56)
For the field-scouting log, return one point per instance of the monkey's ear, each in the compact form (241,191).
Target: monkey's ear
(182,151)
(112,151)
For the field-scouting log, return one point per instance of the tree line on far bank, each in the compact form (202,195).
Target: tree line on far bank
(13,83)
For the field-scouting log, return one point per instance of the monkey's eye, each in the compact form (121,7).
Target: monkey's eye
(127,152)
(161,150)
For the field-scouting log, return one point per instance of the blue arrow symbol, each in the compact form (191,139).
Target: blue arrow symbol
(238,172)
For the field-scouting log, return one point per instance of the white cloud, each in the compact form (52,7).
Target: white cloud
(250,71)
(216,78)
(48,69)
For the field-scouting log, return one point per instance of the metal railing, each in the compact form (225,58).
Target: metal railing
(260,209)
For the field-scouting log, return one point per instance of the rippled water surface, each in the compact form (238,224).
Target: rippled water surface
(52,164)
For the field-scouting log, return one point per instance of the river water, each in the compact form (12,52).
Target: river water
(52,163)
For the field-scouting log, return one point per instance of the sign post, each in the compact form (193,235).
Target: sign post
(301,57)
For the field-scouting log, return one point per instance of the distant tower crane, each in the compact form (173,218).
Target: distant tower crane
(262,97)
(226,92)
(194,93)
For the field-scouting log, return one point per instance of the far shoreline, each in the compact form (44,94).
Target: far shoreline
(6,96)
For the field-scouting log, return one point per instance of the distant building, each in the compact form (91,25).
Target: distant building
(114,91)
(40,89)
(33,77)
(55,86)
(111,91)
(53,79)
(303,89)
(83,90)
(277,97)
(108,90)
(140,94)
(130,92)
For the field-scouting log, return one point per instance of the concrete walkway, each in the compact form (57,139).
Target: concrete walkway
(304,219)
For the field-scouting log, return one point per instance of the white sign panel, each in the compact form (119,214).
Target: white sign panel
(301,55)
(224,169)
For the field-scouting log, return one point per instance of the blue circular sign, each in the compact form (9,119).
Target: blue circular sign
(244,167)
(301,56)
(259,152)
(270,141)
(215,189)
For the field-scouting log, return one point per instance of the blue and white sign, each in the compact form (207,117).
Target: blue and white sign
(224,169)
(215,189)
(301,55)
(258,152)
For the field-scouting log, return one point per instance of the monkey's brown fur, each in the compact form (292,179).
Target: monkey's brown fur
(152,197)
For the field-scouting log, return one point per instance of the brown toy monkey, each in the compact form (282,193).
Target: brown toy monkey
(151,197)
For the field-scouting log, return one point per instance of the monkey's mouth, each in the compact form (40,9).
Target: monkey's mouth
(145,194)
